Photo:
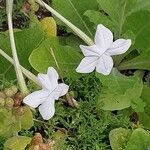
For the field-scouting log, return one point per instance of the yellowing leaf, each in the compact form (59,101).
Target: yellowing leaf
(27,119)
(49,26)
(17,143)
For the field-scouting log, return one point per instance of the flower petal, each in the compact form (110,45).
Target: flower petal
(103,37)
(104,65)
(47,109)
(60,90)
(36,98)
(87,65)
(53,77)
(120,46)
(90,50)
(44,81)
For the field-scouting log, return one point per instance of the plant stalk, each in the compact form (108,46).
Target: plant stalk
(20,78)
(26,72)
(80,33)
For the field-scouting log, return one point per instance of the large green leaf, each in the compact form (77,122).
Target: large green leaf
(118,10)
(118,138)
(140,62)
(139,140)
(144,117)
(117,82)
(17,143)
(26,119)
(118,90)
(8,123)
(73,10)
(50,53)
(138,24)
(26,40)
(99,18)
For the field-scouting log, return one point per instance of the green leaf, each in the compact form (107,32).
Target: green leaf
(138,105)
(119,10)
(50,53)
(26,119)
(98,18)
(113,7)
(138,24)
(118,138)
(114,101)
(26,40)
(145,116)
(140,62)
(17,143)
(139,140)
(118,90)
(8,123)
(117,82)
(73,10)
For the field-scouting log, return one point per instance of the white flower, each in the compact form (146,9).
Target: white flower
(99,55)
(46,97)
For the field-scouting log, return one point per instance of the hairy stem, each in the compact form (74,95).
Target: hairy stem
(26,72)
(20,78)
(80,33)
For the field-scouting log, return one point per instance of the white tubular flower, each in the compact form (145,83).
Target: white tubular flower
(98,56)
(50,92)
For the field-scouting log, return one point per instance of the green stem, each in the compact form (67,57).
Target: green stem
(46,123)
(80,33)
(21,81)
(27,73)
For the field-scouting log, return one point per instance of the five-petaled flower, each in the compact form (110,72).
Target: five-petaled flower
(50,92)
(99,55)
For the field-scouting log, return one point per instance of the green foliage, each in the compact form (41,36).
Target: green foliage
(51,53)
(26,40)
(139,140)
(74,10)
(94,125)
(118,90)
(130,22)
(17,143)
(98,18)
(8,123)
(118,137)
(12,121)
(125,9)
(26,119)
(140,27)
(145,116)
(140,62)
(87,127)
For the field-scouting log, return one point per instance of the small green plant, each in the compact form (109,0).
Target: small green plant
(96,102)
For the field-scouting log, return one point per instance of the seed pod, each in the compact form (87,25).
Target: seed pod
(43,146)
(8,92)
(2,95)
(18,99)
(14,89)
(2,102)
(37,139)
(9,102)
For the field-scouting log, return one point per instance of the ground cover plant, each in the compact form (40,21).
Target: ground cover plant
(74,75)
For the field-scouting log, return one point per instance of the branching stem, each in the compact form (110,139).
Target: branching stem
(77,31)
(26,72)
